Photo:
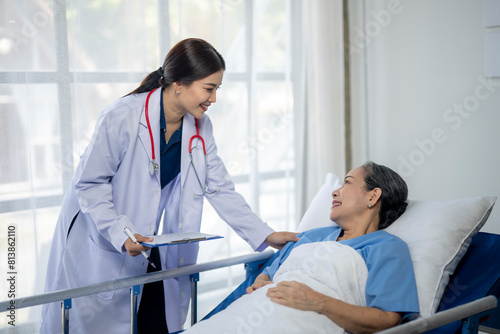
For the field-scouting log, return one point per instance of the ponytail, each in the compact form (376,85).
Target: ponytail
(151,81)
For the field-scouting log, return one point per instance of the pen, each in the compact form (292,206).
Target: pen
(134,240)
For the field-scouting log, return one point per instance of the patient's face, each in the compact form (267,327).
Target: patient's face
(350,200)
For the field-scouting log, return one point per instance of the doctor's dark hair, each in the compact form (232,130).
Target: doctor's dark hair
(394,191)
(189,60)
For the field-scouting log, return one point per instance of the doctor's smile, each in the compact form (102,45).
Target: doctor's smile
(204,107)
(194,98)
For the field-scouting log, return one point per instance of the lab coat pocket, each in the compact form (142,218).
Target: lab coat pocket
(96,265)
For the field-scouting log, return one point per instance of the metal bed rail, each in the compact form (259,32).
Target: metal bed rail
(471,314)
(134,283)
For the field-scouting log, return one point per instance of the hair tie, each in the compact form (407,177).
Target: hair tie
(160,72)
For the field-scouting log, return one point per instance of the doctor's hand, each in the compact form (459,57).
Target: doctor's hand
(260,281)
(134,249)
(279,239)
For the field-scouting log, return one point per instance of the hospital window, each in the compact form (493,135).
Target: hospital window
(63,61)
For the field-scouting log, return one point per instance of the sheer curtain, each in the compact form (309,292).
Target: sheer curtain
(321,130)
(278,119)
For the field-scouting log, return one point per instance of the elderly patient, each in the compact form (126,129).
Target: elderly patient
(353,277)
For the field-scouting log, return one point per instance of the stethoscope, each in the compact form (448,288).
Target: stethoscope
(153,166)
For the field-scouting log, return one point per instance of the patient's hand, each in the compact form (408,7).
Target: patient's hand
(296,295)
(260,281)
(353,318)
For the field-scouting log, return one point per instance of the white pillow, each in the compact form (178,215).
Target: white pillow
(438,234)
(318,213)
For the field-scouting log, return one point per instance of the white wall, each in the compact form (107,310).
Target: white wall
(422,102)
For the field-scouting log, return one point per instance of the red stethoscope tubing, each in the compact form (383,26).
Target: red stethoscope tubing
(197,135)
(149,125)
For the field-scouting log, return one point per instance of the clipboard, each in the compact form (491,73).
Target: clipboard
(170,239)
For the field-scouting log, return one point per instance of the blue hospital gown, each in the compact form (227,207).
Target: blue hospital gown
(390,285)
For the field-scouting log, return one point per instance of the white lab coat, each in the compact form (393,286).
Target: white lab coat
(112,188)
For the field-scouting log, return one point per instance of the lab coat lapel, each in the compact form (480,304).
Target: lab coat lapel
(188,130)
(154,121)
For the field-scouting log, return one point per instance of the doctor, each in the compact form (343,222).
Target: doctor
(136,169)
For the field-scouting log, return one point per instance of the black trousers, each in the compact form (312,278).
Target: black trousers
(151,314)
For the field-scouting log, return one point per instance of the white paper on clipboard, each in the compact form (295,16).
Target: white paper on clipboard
(179,238)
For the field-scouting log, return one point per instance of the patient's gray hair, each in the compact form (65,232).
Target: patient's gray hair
(394,191)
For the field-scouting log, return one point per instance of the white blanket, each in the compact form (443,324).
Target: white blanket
(328,267)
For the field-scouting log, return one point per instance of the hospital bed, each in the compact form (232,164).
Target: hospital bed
(457,269)
(443,240)
(470,302)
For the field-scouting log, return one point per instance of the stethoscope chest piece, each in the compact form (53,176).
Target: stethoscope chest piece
(153,167)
